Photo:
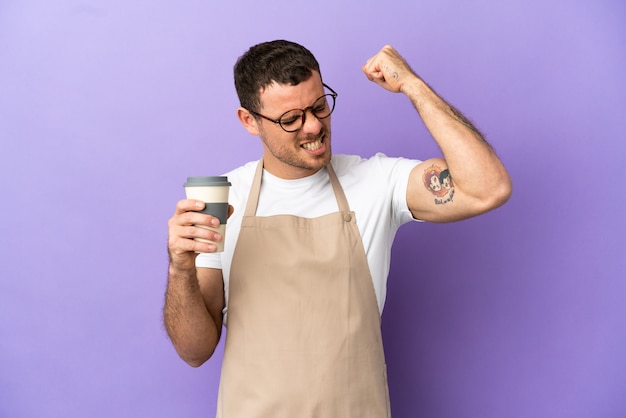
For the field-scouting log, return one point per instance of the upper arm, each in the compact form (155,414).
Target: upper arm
(434,196)
(211,284)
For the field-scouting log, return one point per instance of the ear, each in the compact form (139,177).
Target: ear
(248,121)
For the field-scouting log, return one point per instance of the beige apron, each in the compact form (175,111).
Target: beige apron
(303,335)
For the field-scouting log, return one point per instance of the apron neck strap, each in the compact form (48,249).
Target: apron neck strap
(342,202)
(253,197)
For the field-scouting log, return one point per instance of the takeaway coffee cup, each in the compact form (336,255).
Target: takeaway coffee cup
(213,191)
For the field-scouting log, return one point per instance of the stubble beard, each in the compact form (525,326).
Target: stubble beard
(294,158)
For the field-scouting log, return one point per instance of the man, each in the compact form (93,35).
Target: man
(301,283)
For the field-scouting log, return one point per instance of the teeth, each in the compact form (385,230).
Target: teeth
(312,146)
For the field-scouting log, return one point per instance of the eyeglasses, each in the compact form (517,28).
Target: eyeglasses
(293,120)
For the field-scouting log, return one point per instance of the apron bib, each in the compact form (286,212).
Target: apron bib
(303,337)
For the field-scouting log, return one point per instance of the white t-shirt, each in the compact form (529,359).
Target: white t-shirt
(376,192)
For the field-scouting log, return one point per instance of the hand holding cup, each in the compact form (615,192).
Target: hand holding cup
(213,191)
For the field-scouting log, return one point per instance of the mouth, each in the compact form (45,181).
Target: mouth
(314,145)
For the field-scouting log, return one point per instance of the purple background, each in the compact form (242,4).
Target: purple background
(106,107)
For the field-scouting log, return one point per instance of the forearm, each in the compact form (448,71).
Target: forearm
(473,164)
(189,324)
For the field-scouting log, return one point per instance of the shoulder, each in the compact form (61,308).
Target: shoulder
(243,171)
(377,165)
(376,186)
(241,177)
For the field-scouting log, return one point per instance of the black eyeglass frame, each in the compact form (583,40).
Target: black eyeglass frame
(332,93)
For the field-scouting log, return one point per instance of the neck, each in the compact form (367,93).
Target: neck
(288,171)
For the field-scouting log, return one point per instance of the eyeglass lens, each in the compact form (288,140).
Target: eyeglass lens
(294,119)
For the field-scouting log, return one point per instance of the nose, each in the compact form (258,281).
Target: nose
(310,123)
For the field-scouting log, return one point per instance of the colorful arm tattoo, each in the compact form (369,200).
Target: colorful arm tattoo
(439,182)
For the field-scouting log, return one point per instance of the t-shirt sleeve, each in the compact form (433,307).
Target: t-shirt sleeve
(209,260)
(398,171)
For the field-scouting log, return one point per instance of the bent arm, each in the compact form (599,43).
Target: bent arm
(470,179)
(194,298)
